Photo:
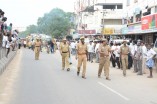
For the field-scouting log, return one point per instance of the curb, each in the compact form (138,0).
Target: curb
(4,62)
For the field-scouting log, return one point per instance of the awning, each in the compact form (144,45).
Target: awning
(109,4)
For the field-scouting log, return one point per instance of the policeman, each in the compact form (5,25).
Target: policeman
(124,51)
(82,53)
(104,61)
(65,53)
(37,45)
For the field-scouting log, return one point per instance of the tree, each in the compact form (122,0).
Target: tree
(55,23)
(30,29)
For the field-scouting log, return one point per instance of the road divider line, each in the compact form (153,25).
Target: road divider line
(117,93)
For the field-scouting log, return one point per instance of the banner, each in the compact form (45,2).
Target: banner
(149,22)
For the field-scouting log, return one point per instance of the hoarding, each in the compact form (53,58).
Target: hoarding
(149,22)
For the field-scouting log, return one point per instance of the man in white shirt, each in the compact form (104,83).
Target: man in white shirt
(97,52)
(144,50)
(90,51)
(25,43)
(5,39)
(150,62)
(117,54)
(8,44)
(133,49)
(73,47)
(138,58)
(13,43)
(58,44)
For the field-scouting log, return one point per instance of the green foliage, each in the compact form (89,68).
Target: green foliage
(55,23)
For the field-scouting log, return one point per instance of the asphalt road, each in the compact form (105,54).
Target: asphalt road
(44,82)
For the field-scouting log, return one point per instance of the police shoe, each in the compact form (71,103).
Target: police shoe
(83,77)
(108,79)
(78,73)
(68,69)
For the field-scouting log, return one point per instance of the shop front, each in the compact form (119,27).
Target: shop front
(145,30)
(110,32)
(133,31)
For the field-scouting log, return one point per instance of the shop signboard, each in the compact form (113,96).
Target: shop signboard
(125,30)
(133,29)
(108,31)
(87,31)
(147,25)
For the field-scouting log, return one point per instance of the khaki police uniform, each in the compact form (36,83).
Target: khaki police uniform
(104,61)
(82,57)
(37,49)
(65,52)
(124,57)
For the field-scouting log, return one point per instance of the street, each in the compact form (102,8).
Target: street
(27,81)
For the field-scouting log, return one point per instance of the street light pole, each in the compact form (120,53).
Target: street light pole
(85,23)
(103,22)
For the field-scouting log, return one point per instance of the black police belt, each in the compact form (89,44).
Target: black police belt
(65,52)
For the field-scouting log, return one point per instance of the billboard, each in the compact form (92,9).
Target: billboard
(149,22)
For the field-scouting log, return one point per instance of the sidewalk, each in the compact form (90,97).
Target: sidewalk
(4,62)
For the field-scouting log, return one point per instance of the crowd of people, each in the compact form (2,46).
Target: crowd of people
(8,36)
(140,56)
(125,55)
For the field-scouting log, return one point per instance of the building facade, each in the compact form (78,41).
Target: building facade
(140,20)
(99,17)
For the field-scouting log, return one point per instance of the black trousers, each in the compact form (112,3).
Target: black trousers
(113,60)
(8,50)
(19,46)
(130,61)
(118,62)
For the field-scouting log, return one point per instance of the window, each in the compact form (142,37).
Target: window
(155,9)
(148,12)
(113,6)
(131,19)
(109,6)
(135,1)
(102,21)
(119,6)
(138,17)
(128,2)
(112,21)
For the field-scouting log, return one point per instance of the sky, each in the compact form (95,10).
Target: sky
(23,13)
